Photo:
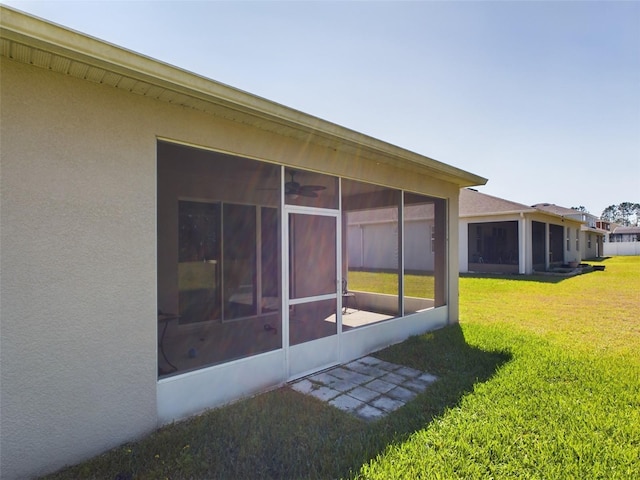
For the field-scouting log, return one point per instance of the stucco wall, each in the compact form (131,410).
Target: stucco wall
(78,347)
(588,252)
(78,255)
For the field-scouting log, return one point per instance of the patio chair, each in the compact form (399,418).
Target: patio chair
(346,295)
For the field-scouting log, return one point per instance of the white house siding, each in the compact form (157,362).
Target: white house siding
(380,246)
(417,242)
(375,246)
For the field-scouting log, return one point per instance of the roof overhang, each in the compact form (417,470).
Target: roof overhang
(28,39)
(497,214)
(532,211)
(597,231)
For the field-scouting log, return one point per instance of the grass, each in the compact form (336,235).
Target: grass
(420,286)
(540,380)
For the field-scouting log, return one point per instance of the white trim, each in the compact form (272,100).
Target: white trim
(313,356)
(319,353)
(316,298)
(194,392)
(363,340)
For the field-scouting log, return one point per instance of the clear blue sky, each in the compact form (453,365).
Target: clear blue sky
(542,98)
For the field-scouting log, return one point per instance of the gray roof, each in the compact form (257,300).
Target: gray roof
(557,209)
(474,203)
(626,230)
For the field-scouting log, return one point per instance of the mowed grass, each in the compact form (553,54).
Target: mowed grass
(567,404)
(540,380)
(420,286)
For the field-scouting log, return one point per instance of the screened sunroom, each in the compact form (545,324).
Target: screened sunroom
(235,233)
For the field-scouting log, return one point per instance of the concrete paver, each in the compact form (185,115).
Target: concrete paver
(368,388)
(364,394)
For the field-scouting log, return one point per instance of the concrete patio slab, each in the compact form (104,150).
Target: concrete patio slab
(368,388)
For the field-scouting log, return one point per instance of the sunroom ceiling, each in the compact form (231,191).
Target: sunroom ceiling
(32,41)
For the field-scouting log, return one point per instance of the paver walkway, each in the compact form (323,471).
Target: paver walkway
(368,388)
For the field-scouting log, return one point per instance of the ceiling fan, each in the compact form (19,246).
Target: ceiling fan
(294,189)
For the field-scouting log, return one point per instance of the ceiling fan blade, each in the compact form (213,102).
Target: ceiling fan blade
(313,188)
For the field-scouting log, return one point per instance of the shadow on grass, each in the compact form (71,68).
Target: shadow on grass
(540,277)
(284,434)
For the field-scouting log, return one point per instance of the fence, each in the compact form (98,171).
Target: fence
(612,249)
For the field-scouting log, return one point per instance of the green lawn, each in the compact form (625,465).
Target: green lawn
(540,380)
(421,286)
(567,404)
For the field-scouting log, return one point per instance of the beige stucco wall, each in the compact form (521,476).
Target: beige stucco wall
(78,347)
(453,262)
(78,255)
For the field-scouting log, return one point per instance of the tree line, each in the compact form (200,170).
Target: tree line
(625,213)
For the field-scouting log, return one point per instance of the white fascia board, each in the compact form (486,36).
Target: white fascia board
(497,214)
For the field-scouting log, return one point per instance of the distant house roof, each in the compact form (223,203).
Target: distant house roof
(557,209)
(626,230)
(474,203)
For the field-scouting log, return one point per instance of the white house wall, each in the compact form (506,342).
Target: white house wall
(375,246)
(380,245)
(591,249)
(417,239)
(78,293)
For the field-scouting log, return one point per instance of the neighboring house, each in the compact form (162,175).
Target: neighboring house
(501,236)
(592,237)
(622,234)
(171,244)
(621,240)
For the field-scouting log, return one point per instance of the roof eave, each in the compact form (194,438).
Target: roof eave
(33,32)
(491,214)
